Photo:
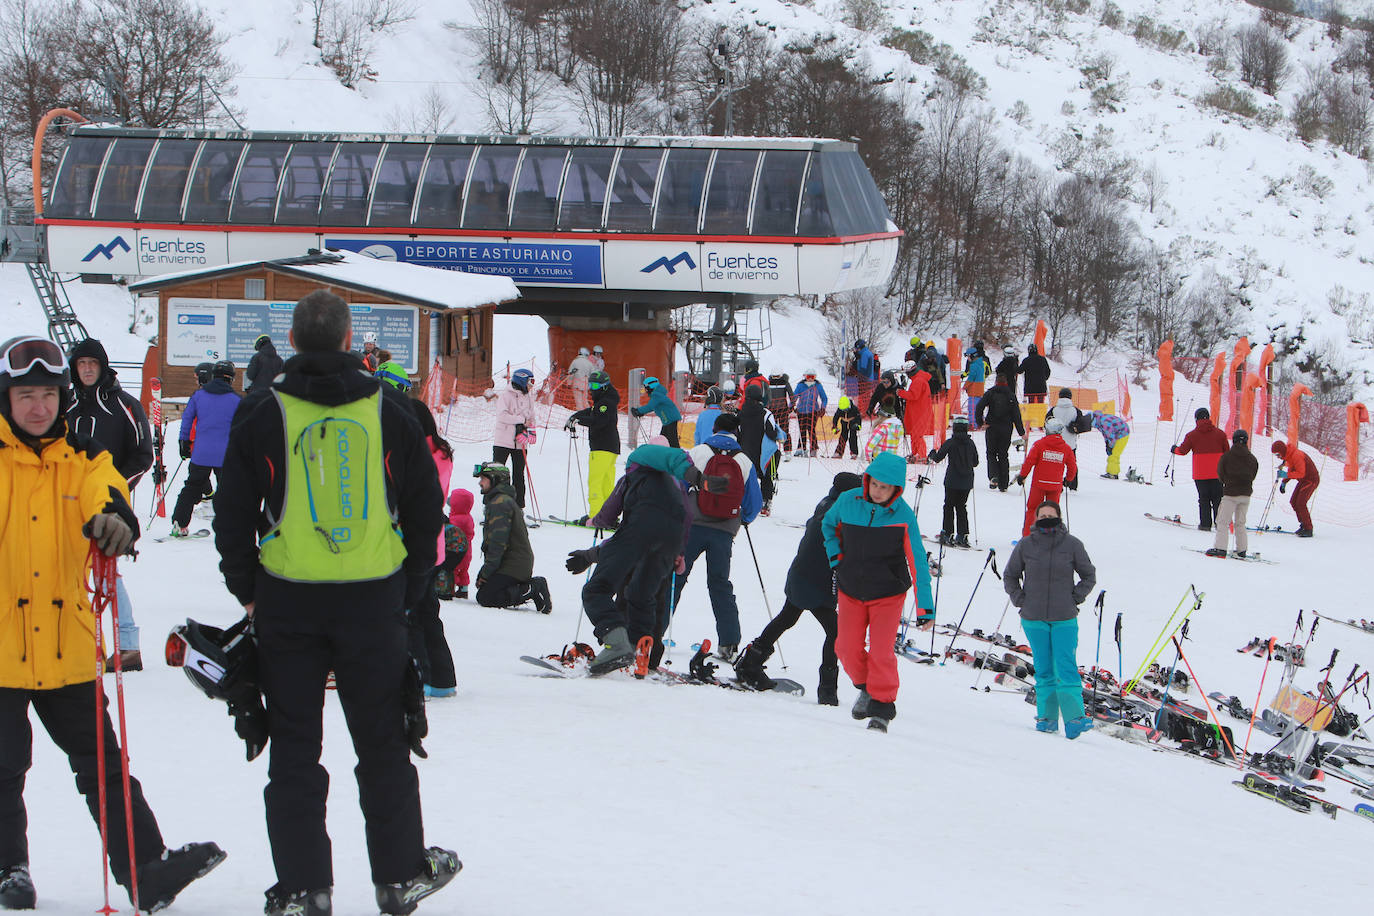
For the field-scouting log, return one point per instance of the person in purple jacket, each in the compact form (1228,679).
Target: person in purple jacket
(211,411)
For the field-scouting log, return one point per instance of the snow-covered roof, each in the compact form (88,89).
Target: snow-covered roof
(428,287)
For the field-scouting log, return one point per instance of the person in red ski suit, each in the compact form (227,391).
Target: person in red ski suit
(919,416)
(1207,443)
(460,514)
(1053,463)
(1302,470)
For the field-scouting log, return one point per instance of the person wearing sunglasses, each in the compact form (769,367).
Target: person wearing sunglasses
(62,488)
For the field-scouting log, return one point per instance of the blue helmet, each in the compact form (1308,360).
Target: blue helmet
(520,379)
(651,382)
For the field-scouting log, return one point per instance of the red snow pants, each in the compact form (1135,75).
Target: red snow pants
(865,641)
(1039,492)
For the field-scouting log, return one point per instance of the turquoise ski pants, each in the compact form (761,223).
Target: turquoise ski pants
(1058,686)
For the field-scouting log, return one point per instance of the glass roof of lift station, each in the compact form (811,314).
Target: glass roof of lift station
(695,186)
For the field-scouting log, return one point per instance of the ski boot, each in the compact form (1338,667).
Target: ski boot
(539,593)
(463,592)
(1077,726)
(827,694)
(749,668)
(813,453)
(1048,726)
(861,704)
(962,541)
(1304,532)
(439,867)
(1111,476)
(16,888)
(1215,552)
(727,651)
(299,903)
(160,880)
(880,714)
(616,652)
(1241,554)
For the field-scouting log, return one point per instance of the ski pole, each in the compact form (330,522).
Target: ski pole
(104,573)
(1117,636)
(935,610)
(766,606)
(1162,639)
(581,484)
(529,478)
(1207,703)
(1097,662)
(1264,516)
(577,636)
(959,627)
(1268,657)
(974,494)
(567,472)
(1350,681)
(1005,607)
(1169,680)
(167,484)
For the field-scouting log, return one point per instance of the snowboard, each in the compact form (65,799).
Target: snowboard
(190,536)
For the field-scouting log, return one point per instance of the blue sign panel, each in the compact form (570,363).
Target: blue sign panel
(523,262)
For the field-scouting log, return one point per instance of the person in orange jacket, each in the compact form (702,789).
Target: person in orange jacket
(919,418)
(1301,468)
(1207,443)
(1053,464)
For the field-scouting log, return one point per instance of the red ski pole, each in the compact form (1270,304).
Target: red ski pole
(1268,657)
(104,574)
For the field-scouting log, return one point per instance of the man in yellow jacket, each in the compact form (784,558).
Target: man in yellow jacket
(57,489)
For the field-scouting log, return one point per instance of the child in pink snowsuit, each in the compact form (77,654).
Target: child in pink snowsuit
(460,514)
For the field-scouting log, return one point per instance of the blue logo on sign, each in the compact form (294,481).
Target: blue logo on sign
(670,264)
(108,249)
(196,319)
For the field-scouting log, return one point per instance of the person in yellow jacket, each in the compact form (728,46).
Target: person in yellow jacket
(57,489)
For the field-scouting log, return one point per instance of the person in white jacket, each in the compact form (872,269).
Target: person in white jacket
(1066,413)
(514,429)
(579,371)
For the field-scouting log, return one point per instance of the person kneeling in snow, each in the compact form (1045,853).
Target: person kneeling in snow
(873,542)
(1039,579)
(507,577)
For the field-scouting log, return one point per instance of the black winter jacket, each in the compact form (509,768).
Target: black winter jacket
(810,581)
(602,420)
(963,458)
(1237,469)
(883,390)
(111,416)
(1007,368)
(263,367)
(998,407)
(252,482)
(753,426)
(1036,369)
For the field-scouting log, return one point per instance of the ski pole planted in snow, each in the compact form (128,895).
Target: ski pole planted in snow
(959,627)
(977,680)
(1254,711)
(766,606)
(934,612)
(1162,640)
(1097,662)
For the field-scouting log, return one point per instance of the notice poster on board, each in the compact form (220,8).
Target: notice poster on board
(207,330)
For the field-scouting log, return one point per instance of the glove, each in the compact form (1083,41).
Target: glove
(413,701)
(1173,449)
(111,534)
(1282,473)
(185,447)
(693,477)
(579,561)
(717,484)
(680,565)
(925,616)
(1283,487)
(1072,484)
(520,429)
(570,426)
(1020,481)
(931,457)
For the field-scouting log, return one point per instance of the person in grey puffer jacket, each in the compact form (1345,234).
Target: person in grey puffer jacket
(1040,580)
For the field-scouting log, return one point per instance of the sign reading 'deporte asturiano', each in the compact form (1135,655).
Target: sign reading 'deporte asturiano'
(205,330)
(523,262)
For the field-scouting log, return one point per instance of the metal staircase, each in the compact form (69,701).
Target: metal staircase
(21,241)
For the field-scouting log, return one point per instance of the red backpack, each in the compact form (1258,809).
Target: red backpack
(722,506)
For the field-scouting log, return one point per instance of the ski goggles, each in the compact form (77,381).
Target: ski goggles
(28,352)
(180,653)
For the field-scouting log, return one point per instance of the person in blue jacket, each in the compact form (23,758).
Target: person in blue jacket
(713,528)
(863,361)
(873,543)
(661,404)
(706,420)
(809,401)
(210,412)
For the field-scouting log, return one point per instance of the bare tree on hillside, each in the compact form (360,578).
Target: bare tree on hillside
(146,59)
(34,78)
(856,314)
(629,51)
(514,90)
(1262,56)
(757,75)
(1349,114)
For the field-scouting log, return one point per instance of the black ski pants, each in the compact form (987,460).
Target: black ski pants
(358,630)
(849,432)
(806,431)
(502,590)
(633,565)
(669,432)
(787,618)
(427,641)
(956,511)
(196,488)
(517,469)
(68,713)
(997,442)
(1208,502)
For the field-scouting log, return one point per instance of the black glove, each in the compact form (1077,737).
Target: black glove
(520,429)
(693,477)
(579,561)
(571,425)
(1020,481)
(1173,449)
(1283,487)
(717,484)
(111,534)
(413,701)
(932,456)
(185,446)
(1072,484)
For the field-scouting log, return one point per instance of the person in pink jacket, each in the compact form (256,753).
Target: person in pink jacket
(427,641)
(514,428)
(460,514)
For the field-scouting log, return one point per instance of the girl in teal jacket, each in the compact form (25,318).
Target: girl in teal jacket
(874,545)
(661,404)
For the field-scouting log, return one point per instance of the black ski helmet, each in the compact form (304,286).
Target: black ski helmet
(223,665)
(751,365)
(1240,436)
(756,393)
(32,360)
(223,369)
(204,372)
(714,396)
(597,380)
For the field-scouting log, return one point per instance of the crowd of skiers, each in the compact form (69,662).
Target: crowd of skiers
(331,592)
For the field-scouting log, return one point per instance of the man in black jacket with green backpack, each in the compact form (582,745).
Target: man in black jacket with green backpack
(327,517)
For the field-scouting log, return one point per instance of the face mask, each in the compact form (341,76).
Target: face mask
(1047,523)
